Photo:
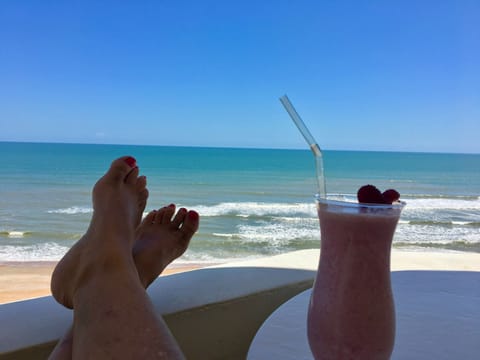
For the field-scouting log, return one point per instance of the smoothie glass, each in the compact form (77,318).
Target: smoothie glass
(351,314)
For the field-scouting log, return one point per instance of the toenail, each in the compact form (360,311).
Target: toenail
(131,161)
(193,215)
(171,205)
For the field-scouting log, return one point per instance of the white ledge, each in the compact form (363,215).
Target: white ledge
(227,302)
(219,300)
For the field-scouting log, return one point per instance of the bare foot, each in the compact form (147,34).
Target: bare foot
(161,238)
(159,241)
(119,198)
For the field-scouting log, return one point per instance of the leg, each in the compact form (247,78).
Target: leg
(159,241)
(113,316)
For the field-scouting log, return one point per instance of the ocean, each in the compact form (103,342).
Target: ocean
(252,202)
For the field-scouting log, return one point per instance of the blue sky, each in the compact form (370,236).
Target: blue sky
(366,75)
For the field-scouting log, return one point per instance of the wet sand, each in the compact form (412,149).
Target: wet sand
(28,280)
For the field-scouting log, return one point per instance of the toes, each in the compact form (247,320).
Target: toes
(142,203)
(179,217)
(164,215)
(169,211)
(190,224)
(130,161)
(142,192)
(185,221)
(120,168)
(150,218)
(132,176)
(142,198)
(141,183)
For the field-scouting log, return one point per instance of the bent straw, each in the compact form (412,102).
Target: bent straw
(317,153)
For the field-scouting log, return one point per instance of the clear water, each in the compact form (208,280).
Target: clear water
(252,202)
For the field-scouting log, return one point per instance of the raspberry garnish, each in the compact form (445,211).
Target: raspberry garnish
(391,195)
(369,194)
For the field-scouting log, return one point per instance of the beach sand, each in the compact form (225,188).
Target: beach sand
(28,280)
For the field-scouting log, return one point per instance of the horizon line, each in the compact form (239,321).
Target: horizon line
(440,152)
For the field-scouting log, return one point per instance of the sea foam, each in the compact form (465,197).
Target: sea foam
(247,209)
(72,210)
(15,234)
(38,252)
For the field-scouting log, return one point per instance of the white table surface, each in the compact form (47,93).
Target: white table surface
(437,314)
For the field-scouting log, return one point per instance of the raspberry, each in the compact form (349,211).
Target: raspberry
(391,195)
(370,194)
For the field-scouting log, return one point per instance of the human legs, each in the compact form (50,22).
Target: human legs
(159,241)
(113,316)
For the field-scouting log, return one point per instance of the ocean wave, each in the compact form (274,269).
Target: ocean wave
(441,196)
(248,209)
(453,245)
(443,235)
(277,234)
(242,229)
(227,236)
(441,223)
(223,235)
(15,234)
(72,210)
(201,257)
(39,252)
(25,237)
(438,203)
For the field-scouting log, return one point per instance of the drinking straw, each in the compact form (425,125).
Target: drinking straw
(317,153)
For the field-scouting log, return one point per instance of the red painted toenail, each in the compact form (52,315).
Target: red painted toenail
(131,161)
(193,215)
(171,205)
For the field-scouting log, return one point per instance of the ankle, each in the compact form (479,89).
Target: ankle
(104,274)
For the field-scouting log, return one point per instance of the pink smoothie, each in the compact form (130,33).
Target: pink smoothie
(351,312)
